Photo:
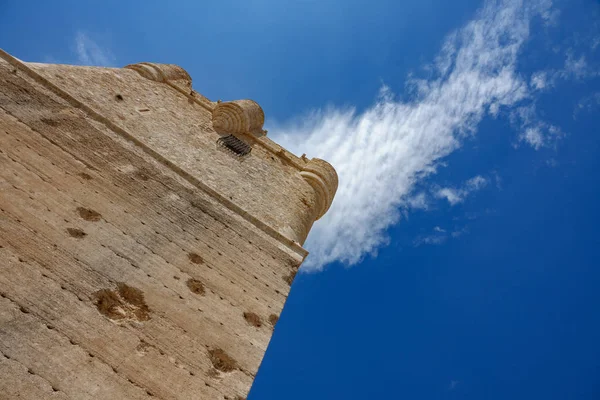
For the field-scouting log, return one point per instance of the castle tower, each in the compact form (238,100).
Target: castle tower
(148,236)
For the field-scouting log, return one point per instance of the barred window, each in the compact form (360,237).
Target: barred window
(234,145)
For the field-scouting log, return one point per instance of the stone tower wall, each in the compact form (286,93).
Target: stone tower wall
(138,258)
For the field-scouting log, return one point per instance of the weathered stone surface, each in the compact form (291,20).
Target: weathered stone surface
(137,258)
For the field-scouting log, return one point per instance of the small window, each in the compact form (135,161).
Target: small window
(235,145)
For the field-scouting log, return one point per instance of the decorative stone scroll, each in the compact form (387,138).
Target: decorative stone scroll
(321,176)
(239,116)
(166,73)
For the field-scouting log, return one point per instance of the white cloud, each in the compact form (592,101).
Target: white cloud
(90,53)
(587,104)
(476,183)
(574,68)
(539,80)
(459,232)
(458,195)
(532,136)
(550,16)
(533,131)
(381,153)
(417,201)
(438,236)
(451,195)
(430,239)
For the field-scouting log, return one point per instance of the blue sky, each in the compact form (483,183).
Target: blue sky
(460,257)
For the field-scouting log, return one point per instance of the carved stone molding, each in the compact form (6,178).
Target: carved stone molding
(239,116)
(166,73)
(321,176)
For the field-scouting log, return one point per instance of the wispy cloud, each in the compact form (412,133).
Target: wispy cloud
(458,195)
(438,236)
(433,239)
(382,152)
(587,104)
(90,53)
(574,68)
(532,130)
(539,80)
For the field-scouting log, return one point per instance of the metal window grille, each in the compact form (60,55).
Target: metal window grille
(235,145)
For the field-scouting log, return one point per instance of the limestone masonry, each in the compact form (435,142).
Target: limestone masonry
(148,236)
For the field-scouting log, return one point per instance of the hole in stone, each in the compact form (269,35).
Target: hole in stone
(273,318)
(290,278)
(141,175)
(196,286)
(76,232)
(124,303)
(253,319)
(134,297)
(221,360)
(119,97)
(88,214)
(195,258)
(109,304)
(49,121)
(85,176)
